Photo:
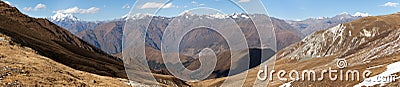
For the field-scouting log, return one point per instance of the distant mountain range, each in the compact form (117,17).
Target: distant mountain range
(108,35)
(72,23)
(311,25)
(104,34)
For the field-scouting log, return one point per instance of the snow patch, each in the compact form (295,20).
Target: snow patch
(373,67)
(245,16)
(219,16)
(133,83)
(349,33)
(287,84)
(3,39)
(137,16)
(320,18)
(334,29)
(366,33)
(235,16)
(337,30)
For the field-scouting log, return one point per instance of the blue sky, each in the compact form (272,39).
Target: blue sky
(285,9)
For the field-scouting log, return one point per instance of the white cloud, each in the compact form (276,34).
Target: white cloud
(27,9)
(36,8)
(169,5)
(126,6)
(76,10)
(202,4)
(40,6)
(240,1)
(361,14)
(345,13)
(390,4)
(156,5)
(194,2)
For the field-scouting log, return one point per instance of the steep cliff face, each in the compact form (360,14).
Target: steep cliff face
(285,33)
(106,36)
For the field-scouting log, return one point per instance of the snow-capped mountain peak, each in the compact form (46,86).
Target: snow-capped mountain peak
(219,16)
(237,15)
(344,13)
(186,13)
(63,16)
(320,18)
(136,16)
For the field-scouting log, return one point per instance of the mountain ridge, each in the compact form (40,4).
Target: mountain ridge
(72,23)
(41,33)
(311,25)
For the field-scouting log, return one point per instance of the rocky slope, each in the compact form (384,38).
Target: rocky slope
(370,43)
(349,38)
(22,66)
(56,43)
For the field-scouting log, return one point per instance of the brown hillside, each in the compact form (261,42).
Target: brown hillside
(56,43)
(364,43)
